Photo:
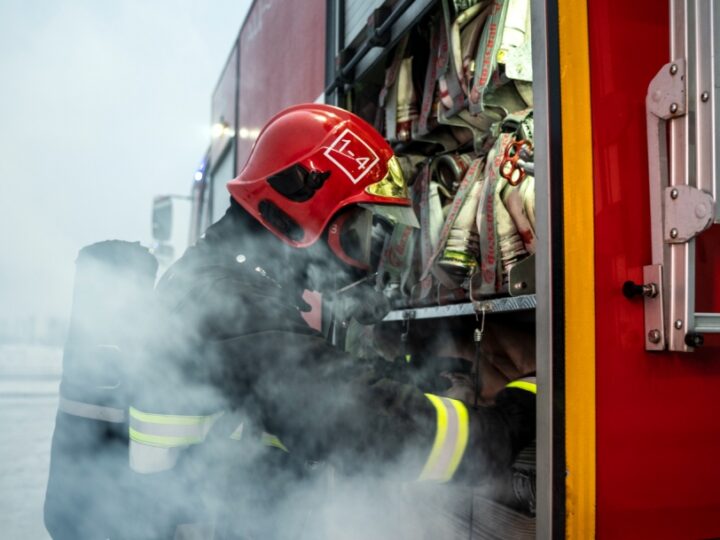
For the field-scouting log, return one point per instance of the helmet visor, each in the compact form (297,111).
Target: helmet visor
(393,185)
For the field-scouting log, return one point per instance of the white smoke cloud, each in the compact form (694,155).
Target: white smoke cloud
(103,105)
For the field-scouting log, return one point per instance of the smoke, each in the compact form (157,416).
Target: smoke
(224,338)
(104,105)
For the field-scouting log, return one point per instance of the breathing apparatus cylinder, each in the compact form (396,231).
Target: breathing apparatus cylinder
(113,292)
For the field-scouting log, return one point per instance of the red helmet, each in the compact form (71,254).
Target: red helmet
(309,162)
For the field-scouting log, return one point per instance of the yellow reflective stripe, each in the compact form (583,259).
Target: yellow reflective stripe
(462,437)
(167,419)
(271,440)
(238,433)
(440,434)
(523,385)
(164,441)
(451,439)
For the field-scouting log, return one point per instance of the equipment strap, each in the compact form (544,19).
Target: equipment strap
(91,411)
(452,96)
(469,37)
(465,18)
(430,80)
(428,120)
(486,60)
(451,437)
(471,176)
(406,113)
(387,109)
(396,260)
(431,75)
(422,185)
(512,197)
(491,279)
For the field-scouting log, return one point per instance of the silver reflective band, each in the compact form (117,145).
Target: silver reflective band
(146,459)
(93,412)
(451,439)
(156,439)
(169,430)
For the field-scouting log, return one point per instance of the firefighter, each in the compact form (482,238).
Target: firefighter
(239,392)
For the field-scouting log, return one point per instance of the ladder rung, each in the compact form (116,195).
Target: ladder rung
(707,323)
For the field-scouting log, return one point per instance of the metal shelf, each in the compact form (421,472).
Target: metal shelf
(492,305)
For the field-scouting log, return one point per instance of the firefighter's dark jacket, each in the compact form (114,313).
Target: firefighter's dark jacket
(235,340)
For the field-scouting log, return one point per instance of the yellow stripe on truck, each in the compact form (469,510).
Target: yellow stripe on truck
(579,268)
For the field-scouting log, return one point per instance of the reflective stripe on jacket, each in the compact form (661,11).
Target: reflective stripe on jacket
(91,411)
(451,437)
(529,384)
(452,430)
(156,439)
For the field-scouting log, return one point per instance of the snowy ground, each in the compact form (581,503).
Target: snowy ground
(29,379)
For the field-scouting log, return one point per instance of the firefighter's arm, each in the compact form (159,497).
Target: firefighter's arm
(495,434)
(326,405)
(464,443)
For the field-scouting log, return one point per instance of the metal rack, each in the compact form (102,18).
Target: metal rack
(383,31)
(492,305)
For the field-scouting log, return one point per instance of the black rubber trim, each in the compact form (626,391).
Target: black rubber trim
(557,272)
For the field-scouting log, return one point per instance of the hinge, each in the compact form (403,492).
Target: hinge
(654,309)
(666,93)
(688,212)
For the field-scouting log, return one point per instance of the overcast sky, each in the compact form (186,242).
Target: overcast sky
(103,104)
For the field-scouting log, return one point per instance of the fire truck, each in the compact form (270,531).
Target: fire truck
(621,286)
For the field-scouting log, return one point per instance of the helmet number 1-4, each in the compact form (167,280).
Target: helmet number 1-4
(352,155)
